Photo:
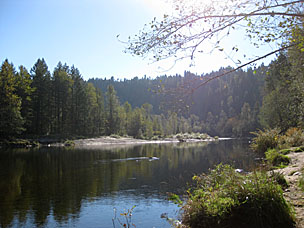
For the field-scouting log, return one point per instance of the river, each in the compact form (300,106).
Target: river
(66,187)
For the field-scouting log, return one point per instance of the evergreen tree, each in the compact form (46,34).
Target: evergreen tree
(128,114)
(137,120)
(112,104)
(78,103)
(280,106)
(24,91)
(41,98)
(93,114)
(11,121)
(62,95)
(100,113)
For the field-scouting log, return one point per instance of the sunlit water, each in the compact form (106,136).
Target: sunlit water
(60,187)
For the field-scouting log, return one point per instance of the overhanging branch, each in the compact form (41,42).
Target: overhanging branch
(246,64)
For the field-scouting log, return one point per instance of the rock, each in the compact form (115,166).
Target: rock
(297,174)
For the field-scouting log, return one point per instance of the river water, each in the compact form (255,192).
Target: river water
(65,187)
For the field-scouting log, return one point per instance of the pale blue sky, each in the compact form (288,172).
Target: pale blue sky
(83,33)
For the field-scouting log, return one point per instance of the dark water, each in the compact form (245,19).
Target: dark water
(59,187)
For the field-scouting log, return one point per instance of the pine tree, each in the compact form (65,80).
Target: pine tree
(62,95)
(11,121)
(112,104)
(24,91)
(41,98)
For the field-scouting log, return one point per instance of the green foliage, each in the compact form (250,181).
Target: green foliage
(115,136)
(24,91)
(11,121)
(69,143)
(283,97)
(279,178)
(225,107)
(294,137)
(301,180)
(264,140)
(182,137)
(225,198)
(41,99)
(112,104)
(285,151)
(276,159)
(63,103)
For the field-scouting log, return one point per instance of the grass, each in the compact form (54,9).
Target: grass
(276,146)
(291,141)
(301,180)
(264,140)
(279,178)
(276,159)
(225,198)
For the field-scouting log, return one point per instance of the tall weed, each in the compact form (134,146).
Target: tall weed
(264,140)
(225,198)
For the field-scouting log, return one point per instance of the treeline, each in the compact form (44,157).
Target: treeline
(233,105)
(228,106)
(62,103)
(283,101)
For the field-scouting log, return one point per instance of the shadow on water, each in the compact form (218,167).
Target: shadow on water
(52,186)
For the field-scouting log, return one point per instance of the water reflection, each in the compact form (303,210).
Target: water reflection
(52,186)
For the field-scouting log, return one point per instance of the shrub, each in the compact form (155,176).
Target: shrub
(276,159)
(264,140)
(279,178)
(115,136)
(294,137)
(69,143)
(155,137)
(225,198)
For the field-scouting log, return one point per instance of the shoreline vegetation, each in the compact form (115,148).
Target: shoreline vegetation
(50,141)
(270,196)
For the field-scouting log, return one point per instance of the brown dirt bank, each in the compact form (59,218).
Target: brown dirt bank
(293,193)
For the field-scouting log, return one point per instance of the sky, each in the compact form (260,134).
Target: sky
(84,33)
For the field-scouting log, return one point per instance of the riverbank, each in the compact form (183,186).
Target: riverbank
(293,194)
(58,141)
(110,140)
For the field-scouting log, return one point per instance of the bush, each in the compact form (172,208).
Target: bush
(264,140)
(279,178)
(225,198)
(294,137)
(276,159)
(115,136)
(69,143)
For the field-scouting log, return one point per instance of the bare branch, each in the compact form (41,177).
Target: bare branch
(246,64)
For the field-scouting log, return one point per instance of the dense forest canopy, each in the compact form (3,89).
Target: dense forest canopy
(38,102)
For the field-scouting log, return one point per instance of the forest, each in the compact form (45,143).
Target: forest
(41,103)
